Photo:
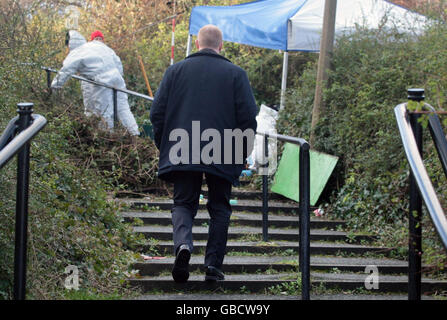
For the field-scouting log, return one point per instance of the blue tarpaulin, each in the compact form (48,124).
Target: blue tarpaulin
(260,23)
(296,25)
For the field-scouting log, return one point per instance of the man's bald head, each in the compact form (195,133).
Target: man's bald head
(209,37)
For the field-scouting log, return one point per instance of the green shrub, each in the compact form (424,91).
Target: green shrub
(72,220)
(372,71)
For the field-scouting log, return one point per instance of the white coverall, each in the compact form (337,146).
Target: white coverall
(266,120)
(96,61)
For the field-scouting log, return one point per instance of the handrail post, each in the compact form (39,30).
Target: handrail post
(415,213)
(304,233)
(48,78)
(25,110)
(265,182)
(115,107)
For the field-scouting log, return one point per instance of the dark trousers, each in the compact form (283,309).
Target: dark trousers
(187,188)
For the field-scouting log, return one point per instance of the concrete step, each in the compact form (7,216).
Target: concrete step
(216,296)
(387,283)
(240,193)
(317,248)
(253,264)
(236,193)
(201,233)
(242,205)
(261,282)
(252,283)
(237,218)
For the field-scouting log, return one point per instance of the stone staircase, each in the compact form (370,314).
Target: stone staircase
(266,270)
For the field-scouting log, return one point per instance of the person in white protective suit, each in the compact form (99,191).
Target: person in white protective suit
(94,60)
(266,119)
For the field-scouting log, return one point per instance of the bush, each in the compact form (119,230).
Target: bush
(372,71)
(72,220)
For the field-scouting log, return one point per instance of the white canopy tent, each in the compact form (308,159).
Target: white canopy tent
(296,25)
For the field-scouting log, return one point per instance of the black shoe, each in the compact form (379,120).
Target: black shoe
(214,274)
(180,272)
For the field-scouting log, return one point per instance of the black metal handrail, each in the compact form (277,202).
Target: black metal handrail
(304,204)
(438,137)
(16,139)
(421,187)
(304,183)
(115,89)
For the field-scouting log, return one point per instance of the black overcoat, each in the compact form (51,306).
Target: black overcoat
(208,88)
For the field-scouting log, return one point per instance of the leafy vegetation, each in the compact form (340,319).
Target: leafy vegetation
(72,220)
(77,168)
(292,288)
(372,70)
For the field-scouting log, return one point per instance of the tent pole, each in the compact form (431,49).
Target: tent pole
(324,62)
(285,66)
(188,45)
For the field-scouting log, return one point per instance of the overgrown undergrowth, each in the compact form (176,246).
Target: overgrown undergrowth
(72,221)
(372,71)
(77,168)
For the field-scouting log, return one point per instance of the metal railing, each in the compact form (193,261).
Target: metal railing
(304,205)
(304,183)
(115,90)
(421,187)
(16,140)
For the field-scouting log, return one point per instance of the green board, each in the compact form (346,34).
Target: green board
(286,180)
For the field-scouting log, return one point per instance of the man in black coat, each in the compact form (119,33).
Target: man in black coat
(204,122)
